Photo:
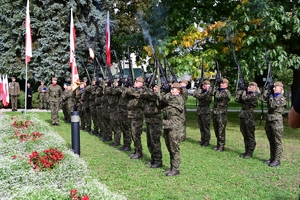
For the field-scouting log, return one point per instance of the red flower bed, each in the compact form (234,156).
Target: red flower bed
(24,136)
(22,124)
(46,160)
(75,196)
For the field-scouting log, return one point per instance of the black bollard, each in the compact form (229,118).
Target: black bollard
(75,132)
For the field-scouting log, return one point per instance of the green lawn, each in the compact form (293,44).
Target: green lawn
(205,174)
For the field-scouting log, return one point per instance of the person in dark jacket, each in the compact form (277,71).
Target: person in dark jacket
(29,96)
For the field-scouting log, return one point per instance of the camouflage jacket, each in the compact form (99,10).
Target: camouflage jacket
(152,107)
(14,88)
(185,94)
(248,101)
(135,103)
(98,95)
(42,88)
(204,99)
(85,97)
(123,101)
(173,110)
(54,93)
(221,99)
(113,99)
(276,105)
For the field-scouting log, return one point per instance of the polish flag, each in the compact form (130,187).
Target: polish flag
(1,88)
(108,55)
(5,95)
(28,41)
(74,71)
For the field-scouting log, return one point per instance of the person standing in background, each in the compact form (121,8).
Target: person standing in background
(14,93)
(294,114)
(29,96)
(42,89)
(54,96)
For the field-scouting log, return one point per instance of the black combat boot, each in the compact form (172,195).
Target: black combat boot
(274,163)
(173,172)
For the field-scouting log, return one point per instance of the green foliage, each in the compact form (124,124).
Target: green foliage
(50,22)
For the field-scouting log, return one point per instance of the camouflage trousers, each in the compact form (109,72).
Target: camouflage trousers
(64,108)
(43,101)
(94,117)
(70,109)
(274,131)
(125,127)
(220,122)
(14,101)
(54,107)
(247,128)
(204,126)
(105,126)
(87,118)
(153,132)
(136,125)
(173,137)
(115,125)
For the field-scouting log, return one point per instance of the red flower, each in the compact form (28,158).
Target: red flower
(14,157)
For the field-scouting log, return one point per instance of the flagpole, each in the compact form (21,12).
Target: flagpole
(26,86)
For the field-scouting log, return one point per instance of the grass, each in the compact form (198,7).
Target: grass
(205,174)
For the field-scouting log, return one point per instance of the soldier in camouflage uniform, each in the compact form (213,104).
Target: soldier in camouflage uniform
(93,108)
(274,123)
(221,98)
(248,99)
(85,99)
(204,97)
(42,89)
(135,115)
(152,112)
(185,96)
(78,103)
(98,100)
(64,105)
(14,93)
(113,103)
(67,102)
(123,120)
(107,131)
(173,110)
(54,95)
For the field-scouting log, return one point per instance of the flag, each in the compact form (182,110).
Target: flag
(72,62)
(1,87)
(5,95)
(108,57)
(28,41)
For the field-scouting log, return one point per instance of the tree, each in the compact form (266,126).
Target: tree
(50,21)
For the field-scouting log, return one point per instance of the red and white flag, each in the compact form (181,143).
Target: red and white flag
(5,95)
(108,55)
(1,88)
(28,41)
(74,71)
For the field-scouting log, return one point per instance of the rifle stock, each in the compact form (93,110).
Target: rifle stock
(270,82)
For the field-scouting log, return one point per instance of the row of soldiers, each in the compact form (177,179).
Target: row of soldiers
(113,110)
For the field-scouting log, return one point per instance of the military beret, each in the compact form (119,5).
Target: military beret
(176,85)
(206,82)
(224,80)
(278,83)
(184,81)
(139,79)
(253,84)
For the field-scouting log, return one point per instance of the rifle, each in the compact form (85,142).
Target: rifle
(130,78)
(270,82)
(241,82)
(171,70)
(199,82)
(165,85)
(86,71)
(121,76)
(218,75)
(110,77)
